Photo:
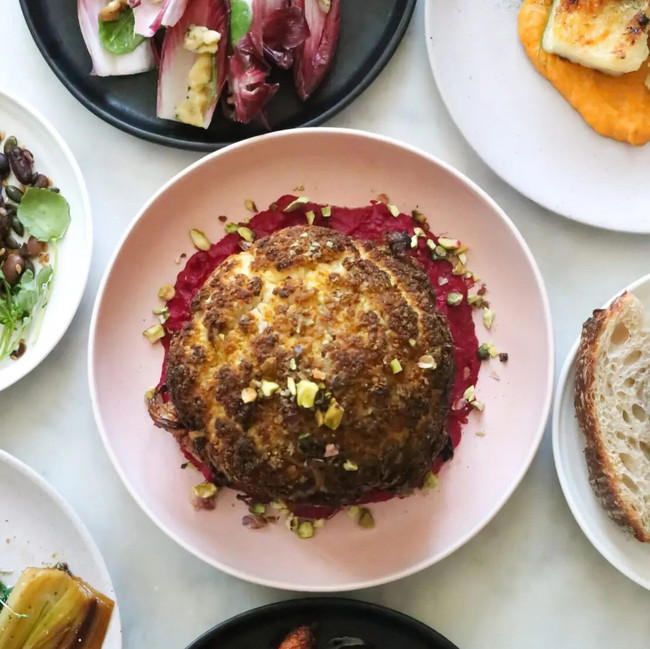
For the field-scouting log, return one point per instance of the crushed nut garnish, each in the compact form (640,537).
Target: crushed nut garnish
(478,405)
(205,490)
(291,386)
(430,481)
(470,394)
(246,234)
(154,333)
(296,204)
(395,366)
(427,362)
(269,387)
(334,415)
(200,241)
(414,241)
(305,530)
(418,216)
(454,299)
(310,216)
(248,395)
(232,227)
(292,364)
(393,209)
(349,465)
(476,301)
(326,211)
(257,508)
(250,205)
(487,351)
(366,519)
(449,244)
(306,393)
(166,292)
(488,317)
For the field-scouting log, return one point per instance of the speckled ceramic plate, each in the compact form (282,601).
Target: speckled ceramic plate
(341,167)
(621,550)
(38,528)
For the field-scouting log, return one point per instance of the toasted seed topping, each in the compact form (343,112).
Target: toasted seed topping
(396,366)
(454,299)
(248,395)
(294,205)
(200,241)
(154,333)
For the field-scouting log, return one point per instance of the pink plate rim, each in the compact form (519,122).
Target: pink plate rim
(550,367)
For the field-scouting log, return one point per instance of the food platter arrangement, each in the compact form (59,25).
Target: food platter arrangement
(337,343)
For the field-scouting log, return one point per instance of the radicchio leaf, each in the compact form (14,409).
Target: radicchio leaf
(315,56)
(278,30)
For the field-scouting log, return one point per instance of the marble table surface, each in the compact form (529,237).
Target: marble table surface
(530,579)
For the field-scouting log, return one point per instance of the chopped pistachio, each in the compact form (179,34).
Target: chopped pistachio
(246,234)
(476,301)
(319,416)
(291,386)
(150,394)
(454,299)
(418,216)
(349,465)
(305,530)
(486,351)
(232,227)
(488,317)
(419,232)
(154,333)
(448,244)
(205,490)
(310,216)
(257,508)
(462,258)
(200,241)
(414,241)
(166,292)
(470,394)
(164,316)
(306,393)
(353,512)
(480,434)
(304,436)
(366,519)
(479,405)
(294,205)
(318,523)
(160,310)
(395,366)
(334,415)
(292,522)
(458,269)
(393,209)
(431,244)
(440,251)
(412,342)
(299,188)
(250,205)
(278,504)
(430,481)
(292,364)
(269,387)
(427,362)
(248,395)
(326,211)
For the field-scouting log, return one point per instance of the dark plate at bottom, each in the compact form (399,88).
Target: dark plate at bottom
(266,627)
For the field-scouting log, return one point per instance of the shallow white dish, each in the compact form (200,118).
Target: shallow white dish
(38,528)
(522,127)
(54,159)
(621,550)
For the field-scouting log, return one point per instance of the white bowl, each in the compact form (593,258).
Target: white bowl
(39,528)
(54,159)
(624,552)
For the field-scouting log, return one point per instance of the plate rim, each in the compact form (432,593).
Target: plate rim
(540,200)
(80,527)
(85,259)
(536,439)
(562,473)
(180,143)
(321,602)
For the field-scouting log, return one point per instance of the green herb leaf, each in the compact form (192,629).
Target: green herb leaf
(5,591)
(118,36)
(44,213)
(241,18)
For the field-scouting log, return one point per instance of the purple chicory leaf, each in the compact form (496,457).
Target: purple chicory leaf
(177,62)
(315,56)
(284,29)
(150,15)
(105,63)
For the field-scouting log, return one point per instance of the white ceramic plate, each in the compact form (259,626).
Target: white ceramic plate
(341,167)
(522,127)
(38,528)
(54,159)
(621,550)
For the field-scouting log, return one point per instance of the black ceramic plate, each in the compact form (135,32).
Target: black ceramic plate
(378,627)
(370,33)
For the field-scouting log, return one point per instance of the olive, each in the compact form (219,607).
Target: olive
(11,242)
(5,169)
(10,143)
(21,162)
(17,226)
(34,247)
(13,267)
(15,194)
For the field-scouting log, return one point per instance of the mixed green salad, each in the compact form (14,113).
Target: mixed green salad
(34,216)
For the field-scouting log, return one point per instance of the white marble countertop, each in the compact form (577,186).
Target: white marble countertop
(530,579)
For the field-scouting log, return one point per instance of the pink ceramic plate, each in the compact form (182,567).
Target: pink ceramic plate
(346,168)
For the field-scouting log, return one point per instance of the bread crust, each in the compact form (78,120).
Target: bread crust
(603,477)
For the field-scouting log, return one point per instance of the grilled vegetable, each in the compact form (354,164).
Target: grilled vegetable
(114,49)
(50,609)
(247,69)
(607,35)
(193,64)
(151,15)
(315,55)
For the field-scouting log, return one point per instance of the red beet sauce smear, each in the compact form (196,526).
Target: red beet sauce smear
(371,222)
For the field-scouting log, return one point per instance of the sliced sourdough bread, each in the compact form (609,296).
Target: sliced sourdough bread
(612,400)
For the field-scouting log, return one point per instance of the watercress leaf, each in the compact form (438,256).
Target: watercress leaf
(27,294)
(44,213)
(44,275)
(118,36)
(241,18)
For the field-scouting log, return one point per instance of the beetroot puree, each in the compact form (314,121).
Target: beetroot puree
(368,223)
